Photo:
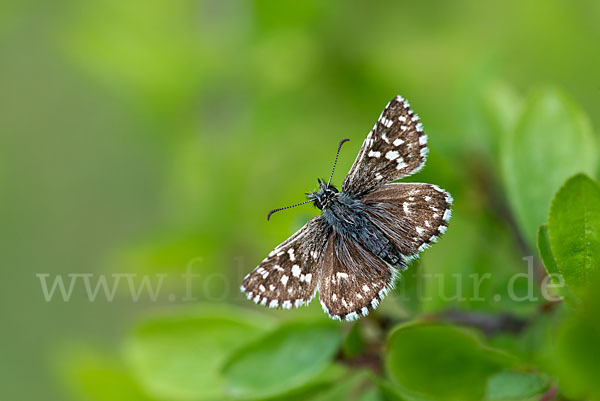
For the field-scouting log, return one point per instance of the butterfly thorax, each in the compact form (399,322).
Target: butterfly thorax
(348,218)
(324,196)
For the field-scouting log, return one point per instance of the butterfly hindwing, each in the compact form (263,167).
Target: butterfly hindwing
(288,276)
(411,215)
(395,147)
(352,280)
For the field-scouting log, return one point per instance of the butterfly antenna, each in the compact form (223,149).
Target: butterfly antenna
(287,207)
(336,158)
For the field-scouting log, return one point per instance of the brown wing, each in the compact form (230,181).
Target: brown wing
(411,215)
(288,276)
(353,280)
(395,147)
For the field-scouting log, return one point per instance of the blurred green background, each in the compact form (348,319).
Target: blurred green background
(145,136)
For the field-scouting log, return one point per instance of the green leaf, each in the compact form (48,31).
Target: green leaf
(551,141)
(508,385)
(543,243)
(180,357)
(394,392)
(545,250)
(286,358)
(574,228)
(577,365)
(353,343)
(325,382)
(577,346)
(440,362)
(347,388)
(371,394)
(531,346)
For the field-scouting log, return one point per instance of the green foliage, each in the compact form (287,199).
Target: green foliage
(547,257)
(284,359)
(515,386)
(545,250)
(180,357)
(392,392)
(551,141)
(163,132)
(570,246)
(578,347)
(225,352)
(351,388)
(457,366)
(574,228)
(354,343)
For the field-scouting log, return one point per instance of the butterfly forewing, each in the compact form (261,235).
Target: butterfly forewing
(411,215)
(395,147)
(288,276)
(353,280)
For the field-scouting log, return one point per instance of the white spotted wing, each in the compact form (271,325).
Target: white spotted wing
(396,147)
(288,276)
(353,280)
(411,215)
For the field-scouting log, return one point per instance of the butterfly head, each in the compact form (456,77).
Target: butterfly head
(324,195)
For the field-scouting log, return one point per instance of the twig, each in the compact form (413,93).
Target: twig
(550,394)
(370,359)
(488,324)
(489,185)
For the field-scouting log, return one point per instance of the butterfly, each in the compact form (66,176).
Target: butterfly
(367,232)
